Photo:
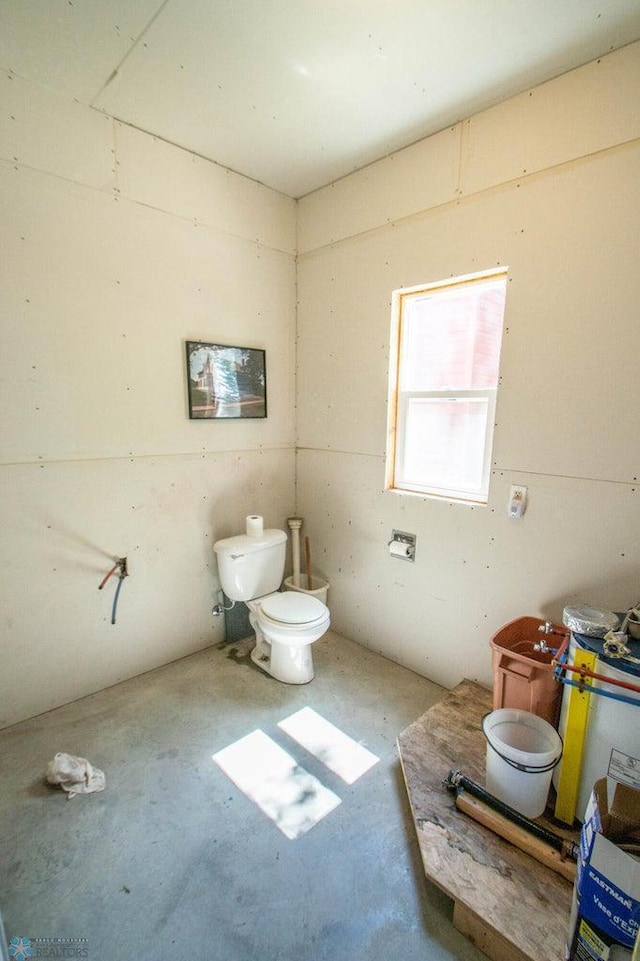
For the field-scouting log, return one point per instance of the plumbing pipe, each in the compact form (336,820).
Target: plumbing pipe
(561,651)
(583,672)
(548,628)
(559,664)
(458,783)
(598,690)
(518,836)
(295,523)
(307,552)
(123,572)
(122,567)
(107,576)
(121,577)
(543,648)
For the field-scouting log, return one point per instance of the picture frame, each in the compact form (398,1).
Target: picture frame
(225,381)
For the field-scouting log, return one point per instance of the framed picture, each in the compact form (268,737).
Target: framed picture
(225,381)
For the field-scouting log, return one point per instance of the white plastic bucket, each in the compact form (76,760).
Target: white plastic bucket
(522,751)
(319,587)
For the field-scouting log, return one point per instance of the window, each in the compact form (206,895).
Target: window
(445,353)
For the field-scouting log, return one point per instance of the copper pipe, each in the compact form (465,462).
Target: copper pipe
(112,571)
(583,672)
(561,651)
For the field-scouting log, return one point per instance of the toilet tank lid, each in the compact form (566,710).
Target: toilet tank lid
(244,544)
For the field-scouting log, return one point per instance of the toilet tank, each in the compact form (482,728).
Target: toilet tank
(250,567)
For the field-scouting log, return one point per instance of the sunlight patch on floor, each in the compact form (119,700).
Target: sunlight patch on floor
(337,751)
(294,799)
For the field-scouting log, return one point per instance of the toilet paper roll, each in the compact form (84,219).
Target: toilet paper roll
(254,525)
(398,549)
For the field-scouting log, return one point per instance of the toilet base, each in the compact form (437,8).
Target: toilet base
(291,665)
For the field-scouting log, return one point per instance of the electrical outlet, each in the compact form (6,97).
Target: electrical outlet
(517,501)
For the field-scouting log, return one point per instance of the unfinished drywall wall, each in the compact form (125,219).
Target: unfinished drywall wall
(547,184)
(116,248)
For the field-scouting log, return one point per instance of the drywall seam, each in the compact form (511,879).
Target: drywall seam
(495,470)
(263,449)
(194,153)
(257,244)
(463,155)
(493,189)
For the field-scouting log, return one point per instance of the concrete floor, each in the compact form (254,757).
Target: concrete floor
(172,862)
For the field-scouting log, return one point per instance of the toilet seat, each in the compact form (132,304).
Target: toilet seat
(293,610)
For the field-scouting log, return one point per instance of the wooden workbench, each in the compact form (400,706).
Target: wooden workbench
(506,902)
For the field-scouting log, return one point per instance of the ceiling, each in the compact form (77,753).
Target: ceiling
(297,93)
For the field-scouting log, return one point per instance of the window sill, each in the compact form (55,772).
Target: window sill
(441,498)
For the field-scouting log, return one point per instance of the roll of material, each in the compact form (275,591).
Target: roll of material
(399,549)
(255,527)
(590,621)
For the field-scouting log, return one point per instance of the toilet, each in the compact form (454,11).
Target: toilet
(251,568)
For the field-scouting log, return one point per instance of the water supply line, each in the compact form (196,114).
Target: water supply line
(122,567)
(295,523)
(560,665)
(108,575)
(121,577)
(548,628)
(583,672)
(218,609)
(590,689)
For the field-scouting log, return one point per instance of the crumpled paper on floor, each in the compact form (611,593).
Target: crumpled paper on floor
(75,775)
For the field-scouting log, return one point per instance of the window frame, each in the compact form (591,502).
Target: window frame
(398,401)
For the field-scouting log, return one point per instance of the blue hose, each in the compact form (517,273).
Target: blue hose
(115,600)
(596,690)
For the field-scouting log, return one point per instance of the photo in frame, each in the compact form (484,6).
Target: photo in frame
(225,382)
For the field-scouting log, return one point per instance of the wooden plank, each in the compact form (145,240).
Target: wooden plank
(494,944)
(517,835)
(516,897)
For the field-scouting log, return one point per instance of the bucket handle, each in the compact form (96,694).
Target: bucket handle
(527,768)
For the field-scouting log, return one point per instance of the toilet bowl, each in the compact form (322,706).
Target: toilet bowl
(251,568)
(286,625)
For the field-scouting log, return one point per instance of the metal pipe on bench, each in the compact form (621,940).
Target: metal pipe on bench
(557,852)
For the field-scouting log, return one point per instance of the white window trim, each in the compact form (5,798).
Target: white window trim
(398,400)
